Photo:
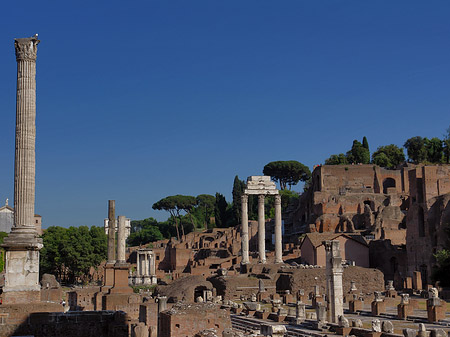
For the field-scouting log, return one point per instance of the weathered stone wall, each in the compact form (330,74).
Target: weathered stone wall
(426,234)
(367,280)
(183,289)
(232,287)
(128,303)
(355,178)
(72,324)
(83,298)
(390,259)
(188,319)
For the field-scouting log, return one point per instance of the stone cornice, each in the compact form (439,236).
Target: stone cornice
(26,48)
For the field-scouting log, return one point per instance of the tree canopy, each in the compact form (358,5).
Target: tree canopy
(222,211)
(3,235)
(173,204)
(69,253)
(358,154)
(287,173)
(415,148)
(238,190)
(446,146)
(389,156)
(144,231)
(336,159)
(424,150)
(205,208)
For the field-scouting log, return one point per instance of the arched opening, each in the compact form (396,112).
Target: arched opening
(198,292)
(371,204)
(387,183)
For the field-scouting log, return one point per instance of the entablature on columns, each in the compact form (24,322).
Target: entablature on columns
(260,185)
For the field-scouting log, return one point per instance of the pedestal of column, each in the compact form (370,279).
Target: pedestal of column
(261,229)
(23,244)
(244,230)
(278,233)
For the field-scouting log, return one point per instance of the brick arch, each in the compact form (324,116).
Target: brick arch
(387,183)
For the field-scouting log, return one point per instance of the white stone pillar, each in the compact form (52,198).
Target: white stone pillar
(146,264)
(152,264)
(128,228)
(105,225)
(142,271)
(138,264)
(121,236)
(278,234)
(244,229)
(334,273)
(261,229)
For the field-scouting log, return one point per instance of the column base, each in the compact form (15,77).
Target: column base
(22,271)
(21,297)
(109,275)
(121,279)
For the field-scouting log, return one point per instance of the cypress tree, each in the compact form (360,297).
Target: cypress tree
(238,190)
(365,143)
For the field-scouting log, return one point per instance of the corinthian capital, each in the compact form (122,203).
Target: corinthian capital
(26,48)
(244,198)
(278,199)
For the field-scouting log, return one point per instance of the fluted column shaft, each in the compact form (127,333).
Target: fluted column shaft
(24,166)
(121,236)
(261,229)
(278,233)
(111,231)
(152,265)
(244,229)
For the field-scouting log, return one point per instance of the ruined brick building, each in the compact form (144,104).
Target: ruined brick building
(402,213)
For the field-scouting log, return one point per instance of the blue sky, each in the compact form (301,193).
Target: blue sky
(137,100)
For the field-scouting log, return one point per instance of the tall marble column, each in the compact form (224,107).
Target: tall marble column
(278,234)
(22,245)
(24,170)
(121,236)
(261,229)
(334,271)
(244,229)
(111,231)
